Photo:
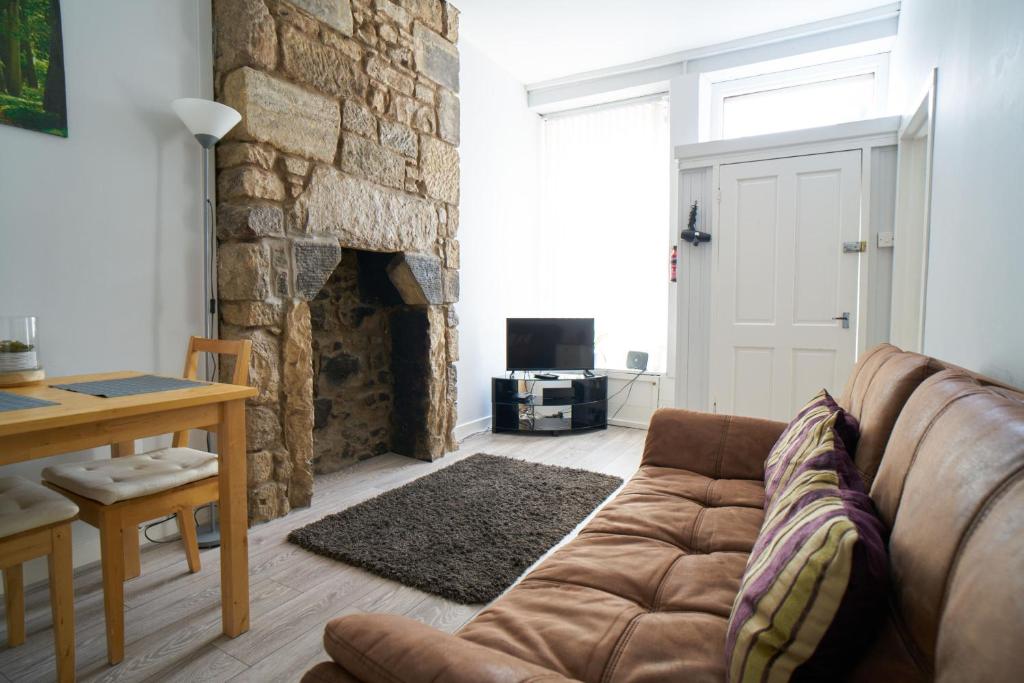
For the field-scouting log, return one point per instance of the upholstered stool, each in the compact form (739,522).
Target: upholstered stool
(35,522)
(116,495)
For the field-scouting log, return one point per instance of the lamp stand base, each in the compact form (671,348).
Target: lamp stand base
(209,536)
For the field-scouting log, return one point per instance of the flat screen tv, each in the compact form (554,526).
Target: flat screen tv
(549,343)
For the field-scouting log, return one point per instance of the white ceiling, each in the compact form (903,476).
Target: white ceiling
(538,40)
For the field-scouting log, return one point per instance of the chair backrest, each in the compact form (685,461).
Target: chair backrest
(950,489)
(240,349)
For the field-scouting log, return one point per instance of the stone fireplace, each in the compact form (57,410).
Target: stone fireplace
(371,363)
(337,208)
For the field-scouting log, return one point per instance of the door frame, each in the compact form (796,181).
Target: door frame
(913,221)
(693,320)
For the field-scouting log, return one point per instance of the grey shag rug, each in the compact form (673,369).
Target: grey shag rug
(465,532)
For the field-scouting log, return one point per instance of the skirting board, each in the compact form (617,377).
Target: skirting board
(472,427)
(632,424)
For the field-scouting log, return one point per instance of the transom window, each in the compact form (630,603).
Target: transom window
(821,95)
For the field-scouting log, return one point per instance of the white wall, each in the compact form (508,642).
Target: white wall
(498,226)
(881,218)
(100,233)
(973,314)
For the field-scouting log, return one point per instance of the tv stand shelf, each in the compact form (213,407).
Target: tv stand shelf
(570,403)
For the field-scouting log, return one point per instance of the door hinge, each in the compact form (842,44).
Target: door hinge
(854,247)
(718,196)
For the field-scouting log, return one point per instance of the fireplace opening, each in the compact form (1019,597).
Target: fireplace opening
(371,365)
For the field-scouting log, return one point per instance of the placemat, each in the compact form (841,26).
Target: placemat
(9,401)
(129,386)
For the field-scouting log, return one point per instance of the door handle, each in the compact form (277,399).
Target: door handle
(845,317)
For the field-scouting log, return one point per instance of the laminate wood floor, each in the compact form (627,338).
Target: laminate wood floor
(172,618)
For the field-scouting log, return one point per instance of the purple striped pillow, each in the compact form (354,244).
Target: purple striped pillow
(802,433)
(816,578)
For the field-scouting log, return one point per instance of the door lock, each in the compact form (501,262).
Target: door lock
(845,317)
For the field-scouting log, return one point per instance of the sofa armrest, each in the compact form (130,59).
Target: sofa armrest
(719,446)
(327,672)
(387,647)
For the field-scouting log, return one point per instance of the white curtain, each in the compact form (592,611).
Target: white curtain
(604,241)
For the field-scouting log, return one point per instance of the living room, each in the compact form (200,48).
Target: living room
(516,336)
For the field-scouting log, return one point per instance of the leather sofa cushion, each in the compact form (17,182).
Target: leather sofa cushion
(950,490)
(644,591)
(389,647)
(879,386)
(712,444)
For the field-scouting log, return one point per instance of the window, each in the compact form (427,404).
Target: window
(820,95)
(604,239)
(799,106)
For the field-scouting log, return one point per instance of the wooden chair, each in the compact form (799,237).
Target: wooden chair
(116,495)
(35,522)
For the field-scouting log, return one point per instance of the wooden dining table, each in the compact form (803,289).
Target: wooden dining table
(80,421)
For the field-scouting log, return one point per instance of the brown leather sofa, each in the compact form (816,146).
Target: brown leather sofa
(645,590)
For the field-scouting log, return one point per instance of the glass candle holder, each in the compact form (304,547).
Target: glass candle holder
(19,347)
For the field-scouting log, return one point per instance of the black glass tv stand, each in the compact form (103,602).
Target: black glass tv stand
(572,402)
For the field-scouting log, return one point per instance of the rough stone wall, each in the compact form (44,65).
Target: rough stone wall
(348,140)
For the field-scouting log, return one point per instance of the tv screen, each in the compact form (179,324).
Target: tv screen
(549,343)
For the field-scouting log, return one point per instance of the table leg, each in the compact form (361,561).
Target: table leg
(119,450)
(62,602)
(234,522)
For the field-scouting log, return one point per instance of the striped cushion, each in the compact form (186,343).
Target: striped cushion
(815,581)
(801,436)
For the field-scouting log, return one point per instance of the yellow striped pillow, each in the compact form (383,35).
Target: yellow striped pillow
(816,575)
(802,435)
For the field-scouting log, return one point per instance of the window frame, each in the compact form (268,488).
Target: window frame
(718,91)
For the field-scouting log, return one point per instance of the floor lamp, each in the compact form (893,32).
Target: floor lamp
(208,121)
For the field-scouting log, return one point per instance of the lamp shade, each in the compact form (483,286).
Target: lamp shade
(209,121)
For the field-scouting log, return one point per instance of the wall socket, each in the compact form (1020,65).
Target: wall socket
(886,240)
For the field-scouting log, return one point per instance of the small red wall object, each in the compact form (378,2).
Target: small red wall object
(673,261)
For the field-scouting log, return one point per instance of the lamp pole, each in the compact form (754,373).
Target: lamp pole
(210,313)
(210,536)
(208,121)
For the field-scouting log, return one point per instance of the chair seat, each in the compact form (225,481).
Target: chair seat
(133,476)
(25,505)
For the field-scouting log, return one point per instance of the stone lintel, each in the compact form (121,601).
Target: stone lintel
(417,277)
(314,262)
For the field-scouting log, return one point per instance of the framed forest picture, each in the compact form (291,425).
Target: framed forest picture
(32,91)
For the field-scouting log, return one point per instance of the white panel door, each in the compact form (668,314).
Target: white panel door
(779,281)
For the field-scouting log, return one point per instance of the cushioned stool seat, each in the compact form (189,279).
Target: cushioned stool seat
(26,505)
(35,522)
(134,476)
